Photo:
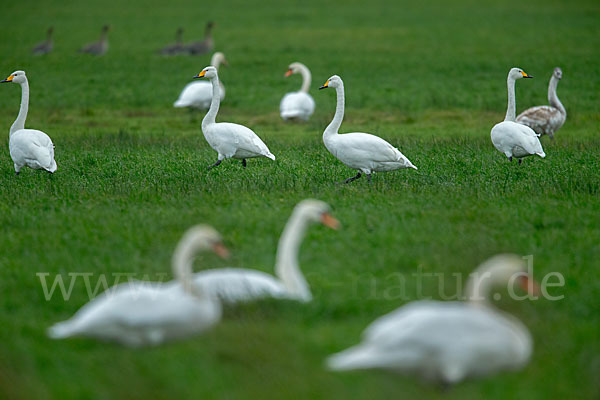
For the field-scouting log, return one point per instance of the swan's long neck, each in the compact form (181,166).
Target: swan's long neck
(183,259)
(553,98)
(211,115)
(306,79)
(20,121)
(286,266)
(215,61)
(334,126)
(511,109)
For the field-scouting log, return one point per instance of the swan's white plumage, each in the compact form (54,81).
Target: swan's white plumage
(447,341)
(198,94)
(509,137)
(300,104)
(237,285)
(361,151)
(28,147)
(142,313)
(228,139)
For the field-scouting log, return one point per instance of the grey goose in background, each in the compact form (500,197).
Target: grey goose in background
(100,47)
(176,47)
(46,46)
(206,45)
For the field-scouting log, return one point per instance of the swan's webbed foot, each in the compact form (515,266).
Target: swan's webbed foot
(215,164)
(244,162)
(520,161)
(353,178)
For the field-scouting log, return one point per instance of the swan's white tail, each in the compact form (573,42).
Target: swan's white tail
(53,167)
(286,114)
(541,154)
(180,104)
(271,156)
(61,330)
(353,358)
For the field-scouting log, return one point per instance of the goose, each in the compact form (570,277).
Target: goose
(509,137)
(137,314)
(229,140)
(176,47)
(545,120)
(234,285)
(298,104)
(361,151)
(445,342)
(46,46)
(204,46)
(199,94)
(100,47)
(28,147)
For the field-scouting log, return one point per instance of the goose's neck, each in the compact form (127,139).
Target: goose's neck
(553,98)
(178,37)
(511,108)
(20,121)
(286,266)
(211,115)
(306,79)
(207,32)
(334,126)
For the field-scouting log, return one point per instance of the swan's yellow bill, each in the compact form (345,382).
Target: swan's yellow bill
(525,75)
(9,79)
(201,74)
(330,221)
(326,83)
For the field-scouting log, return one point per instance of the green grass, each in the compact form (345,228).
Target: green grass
(132,177)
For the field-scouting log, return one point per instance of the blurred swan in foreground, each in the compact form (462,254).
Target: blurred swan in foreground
(46,46)
(229,140)
(28,147)
(236,284)
(100,47)
(446,342)
(298,104)
(361,151)
(199,94)
(509,137)
(176,47)
(545,120)
(142,313)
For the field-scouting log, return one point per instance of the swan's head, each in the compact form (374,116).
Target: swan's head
(518,73)
(557,73)
(196,239)
(294,68)
(333,82)
(500,270)
(209,72)
(317,211)
(218,59)
(16,77)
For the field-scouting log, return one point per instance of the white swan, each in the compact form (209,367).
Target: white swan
(361,151)
(141,313)
(229,140)
(199,94)
(545,120)
(447,342)
(28,147)
(509,137)
(235,284)
(298,104)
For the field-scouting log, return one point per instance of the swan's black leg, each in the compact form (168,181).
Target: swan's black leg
(17,173)
(244,162)
(353,178)
(215,164)
(369,177)
(510,158)
(520,161)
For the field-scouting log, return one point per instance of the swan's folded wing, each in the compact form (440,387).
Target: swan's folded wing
(367,146)
(529,140)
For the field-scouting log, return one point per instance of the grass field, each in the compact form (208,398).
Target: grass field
(132,177)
